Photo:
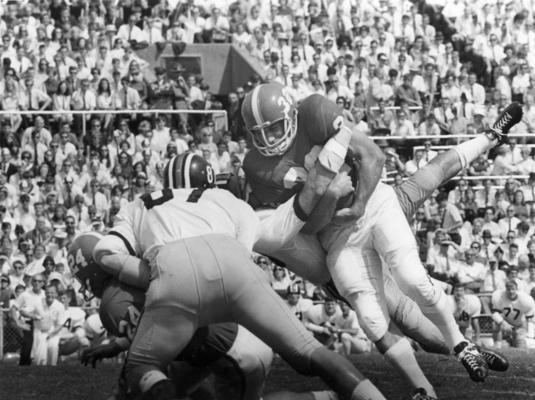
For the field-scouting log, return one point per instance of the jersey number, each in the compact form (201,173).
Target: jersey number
(76,261)
(464,316)
(508,311)
(149,201)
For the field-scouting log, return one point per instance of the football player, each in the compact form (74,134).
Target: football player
(465,308)
(284,139)
(511,311)
(197,242)
(238,360)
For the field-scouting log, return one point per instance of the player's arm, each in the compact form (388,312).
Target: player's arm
(370,161)
(290,217)
(497,309)
(311,326)
(323,213)
(116,255)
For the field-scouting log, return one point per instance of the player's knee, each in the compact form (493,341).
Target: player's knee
(412,278)
(371,318)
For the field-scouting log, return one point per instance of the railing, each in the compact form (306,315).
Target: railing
(476,178)
(442,137)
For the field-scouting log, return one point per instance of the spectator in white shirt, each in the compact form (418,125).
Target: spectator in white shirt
(521,82)
(130,31)
(195,93)
(28,304)
(416,163)
(402,126)
(126,97)
(471,273)
(476,91)
(47,326)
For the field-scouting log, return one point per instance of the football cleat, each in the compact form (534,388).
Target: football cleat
(472,360)
(495,360)
(507,119)
(421,394)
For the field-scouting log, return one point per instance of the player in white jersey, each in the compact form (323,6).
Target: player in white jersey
(298,305)
(73,332)
(511,312)
(319,319)
(210,278)
(167,215)
(464,308)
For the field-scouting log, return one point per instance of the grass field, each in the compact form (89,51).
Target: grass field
(75,382)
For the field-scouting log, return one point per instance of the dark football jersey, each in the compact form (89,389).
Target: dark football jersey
(120,311)
(276,179)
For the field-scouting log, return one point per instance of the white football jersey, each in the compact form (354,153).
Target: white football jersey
(464,310)
(302,306)
(316,315)
(513,311)
(168,215)
(74,318)
(348,322)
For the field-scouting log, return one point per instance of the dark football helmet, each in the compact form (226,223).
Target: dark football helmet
(188,171)
(270,116)
(84,268)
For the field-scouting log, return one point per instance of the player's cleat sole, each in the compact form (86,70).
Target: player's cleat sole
(472,360)
(495,360)
(506,120)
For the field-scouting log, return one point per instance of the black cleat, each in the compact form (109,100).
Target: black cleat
(472,360)
(507,119)
(495,360)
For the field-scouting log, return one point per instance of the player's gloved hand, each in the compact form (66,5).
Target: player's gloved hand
(97,353)
(341,185)
(507,328)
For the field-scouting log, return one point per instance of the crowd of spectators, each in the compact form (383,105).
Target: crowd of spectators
(396,68)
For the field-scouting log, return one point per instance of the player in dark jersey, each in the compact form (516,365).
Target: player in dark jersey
(274,155)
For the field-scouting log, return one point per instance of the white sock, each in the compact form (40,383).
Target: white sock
(401,357)
(471,149)
(150,378)
(366,390)
(440,314)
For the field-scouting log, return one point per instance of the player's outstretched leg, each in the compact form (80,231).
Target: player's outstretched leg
(415,190)
(395,243)
(357,273)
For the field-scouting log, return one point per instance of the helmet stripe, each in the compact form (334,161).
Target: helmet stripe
(178,169)
(170,169)
(255,106)
(187,163)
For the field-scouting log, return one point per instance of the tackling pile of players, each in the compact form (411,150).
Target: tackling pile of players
(182,255)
